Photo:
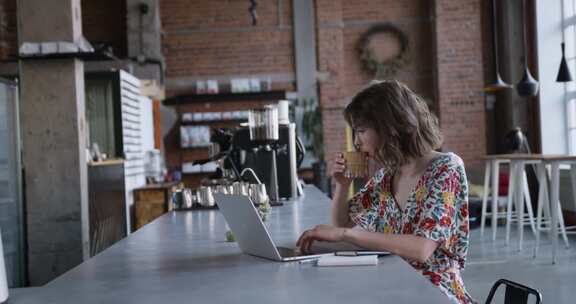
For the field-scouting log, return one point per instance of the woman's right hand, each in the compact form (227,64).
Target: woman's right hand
(338,169)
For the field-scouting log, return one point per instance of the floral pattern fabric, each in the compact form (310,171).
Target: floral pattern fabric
(436,209)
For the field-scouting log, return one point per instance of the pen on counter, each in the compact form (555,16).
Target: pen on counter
(308,261)
(346,253)
(360,253)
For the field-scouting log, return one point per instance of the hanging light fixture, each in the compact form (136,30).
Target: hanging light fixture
(563,72)
(498,84)
(528,86)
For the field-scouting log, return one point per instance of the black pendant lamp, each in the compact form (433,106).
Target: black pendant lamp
(528,86)
(563,72)
(498,83)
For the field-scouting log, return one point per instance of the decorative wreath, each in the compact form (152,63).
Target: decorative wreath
(392,55)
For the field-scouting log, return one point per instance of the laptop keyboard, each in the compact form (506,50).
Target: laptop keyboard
(288,252)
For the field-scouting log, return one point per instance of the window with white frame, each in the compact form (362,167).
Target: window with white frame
(569,37)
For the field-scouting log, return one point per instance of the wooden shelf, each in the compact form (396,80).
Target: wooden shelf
(194,180)
(201,98)
(214,123)
(194,148)
(189,155)
(107,162)
(202,103)
(197,173)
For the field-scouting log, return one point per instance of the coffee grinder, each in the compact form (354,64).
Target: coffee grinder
(263,127)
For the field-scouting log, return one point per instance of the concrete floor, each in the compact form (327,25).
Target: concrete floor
(490,260)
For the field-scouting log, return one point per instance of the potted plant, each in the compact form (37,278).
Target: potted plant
(314,139)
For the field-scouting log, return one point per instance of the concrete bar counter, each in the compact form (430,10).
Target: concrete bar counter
(182,257)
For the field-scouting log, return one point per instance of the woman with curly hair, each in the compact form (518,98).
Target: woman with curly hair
(416,205)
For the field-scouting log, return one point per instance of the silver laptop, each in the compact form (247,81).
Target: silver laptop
(251,233)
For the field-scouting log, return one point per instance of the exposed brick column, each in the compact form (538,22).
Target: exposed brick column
(331,70)
(460,77)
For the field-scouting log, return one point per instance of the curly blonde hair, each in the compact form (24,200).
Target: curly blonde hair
(401,119)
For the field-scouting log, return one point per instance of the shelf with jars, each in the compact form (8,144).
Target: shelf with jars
(198,116)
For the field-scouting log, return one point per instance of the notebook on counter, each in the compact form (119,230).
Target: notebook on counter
(360,260)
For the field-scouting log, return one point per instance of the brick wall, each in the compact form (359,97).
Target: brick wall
(8,34)
(413,17)
(340,25)
(104,21)
(460,78)
(331,63)
(214,39)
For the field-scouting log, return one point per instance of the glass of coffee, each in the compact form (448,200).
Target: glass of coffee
(356,164)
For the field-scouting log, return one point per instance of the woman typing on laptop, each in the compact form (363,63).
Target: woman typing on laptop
(416,206)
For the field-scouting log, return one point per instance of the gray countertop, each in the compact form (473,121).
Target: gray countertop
(182,257)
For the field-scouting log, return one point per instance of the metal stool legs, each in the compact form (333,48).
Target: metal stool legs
(549,208)
(521,199)
(485,196)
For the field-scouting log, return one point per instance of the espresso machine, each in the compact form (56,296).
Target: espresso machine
(267,145)
(272,150)
(263,132)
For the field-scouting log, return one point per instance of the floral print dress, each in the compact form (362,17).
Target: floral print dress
(437,209)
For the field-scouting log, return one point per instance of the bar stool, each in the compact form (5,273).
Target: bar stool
(519,195)
(491,175)
(550,200)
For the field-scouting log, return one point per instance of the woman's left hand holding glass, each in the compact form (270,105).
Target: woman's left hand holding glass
(327,233)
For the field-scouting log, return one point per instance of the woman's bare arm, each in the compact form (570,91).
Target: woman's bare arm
(339,210)
(405,245)
(340,216)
